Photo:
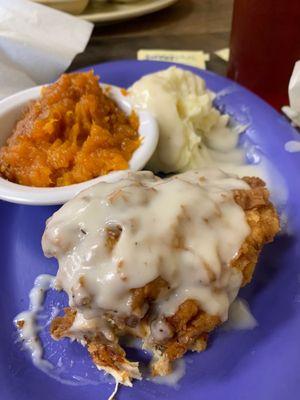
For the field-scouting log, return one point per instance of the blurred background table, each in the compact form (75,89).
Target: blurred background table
(186,25)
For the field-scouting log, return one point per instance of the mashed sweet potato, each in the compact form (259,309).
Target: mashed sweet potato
(73,133)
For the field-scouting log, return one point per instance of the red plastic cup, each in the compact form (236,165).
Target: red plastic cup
(264,46)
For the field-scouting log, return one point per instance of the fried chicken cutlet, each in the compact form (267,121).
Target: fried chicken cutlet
(157,259)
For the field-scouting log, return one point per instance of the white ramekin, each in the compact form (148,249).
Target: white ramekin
(11,110)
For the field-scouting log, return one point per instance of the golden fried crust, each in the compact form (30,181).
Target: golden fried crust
(263,221)
(112,359)
(189,323)
(103,354)
(189,326)
(60,325)
(147,294)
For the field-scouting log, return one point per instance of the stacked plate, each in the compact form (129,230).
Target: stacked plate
(107,10)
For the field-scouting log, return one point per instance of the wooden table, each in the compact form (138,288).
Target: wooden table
(187,25)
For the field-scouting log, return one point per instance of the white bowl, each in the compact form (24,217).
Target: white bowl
(11,110)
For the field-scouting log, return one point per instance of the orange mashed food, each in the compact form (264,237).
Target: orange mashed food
(73,133)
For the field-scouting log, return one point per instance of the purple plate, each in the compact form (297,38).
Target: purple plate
(260,364)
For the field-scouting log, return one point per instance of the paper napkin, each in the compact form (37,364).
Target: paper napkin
(37,44)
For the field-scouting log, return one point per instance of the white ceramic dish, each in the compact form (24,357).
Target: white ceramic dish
(102,12)
(10,111)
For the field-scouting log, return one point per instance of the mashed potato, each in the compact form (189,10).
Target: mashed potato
(193,133)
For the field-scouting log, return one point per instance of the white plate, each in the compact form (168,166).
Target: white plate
(111,12)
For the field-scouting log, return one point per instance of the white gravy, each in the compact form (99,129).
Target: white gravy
(29,331)
(239,316)
(293,146)
(185,229)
